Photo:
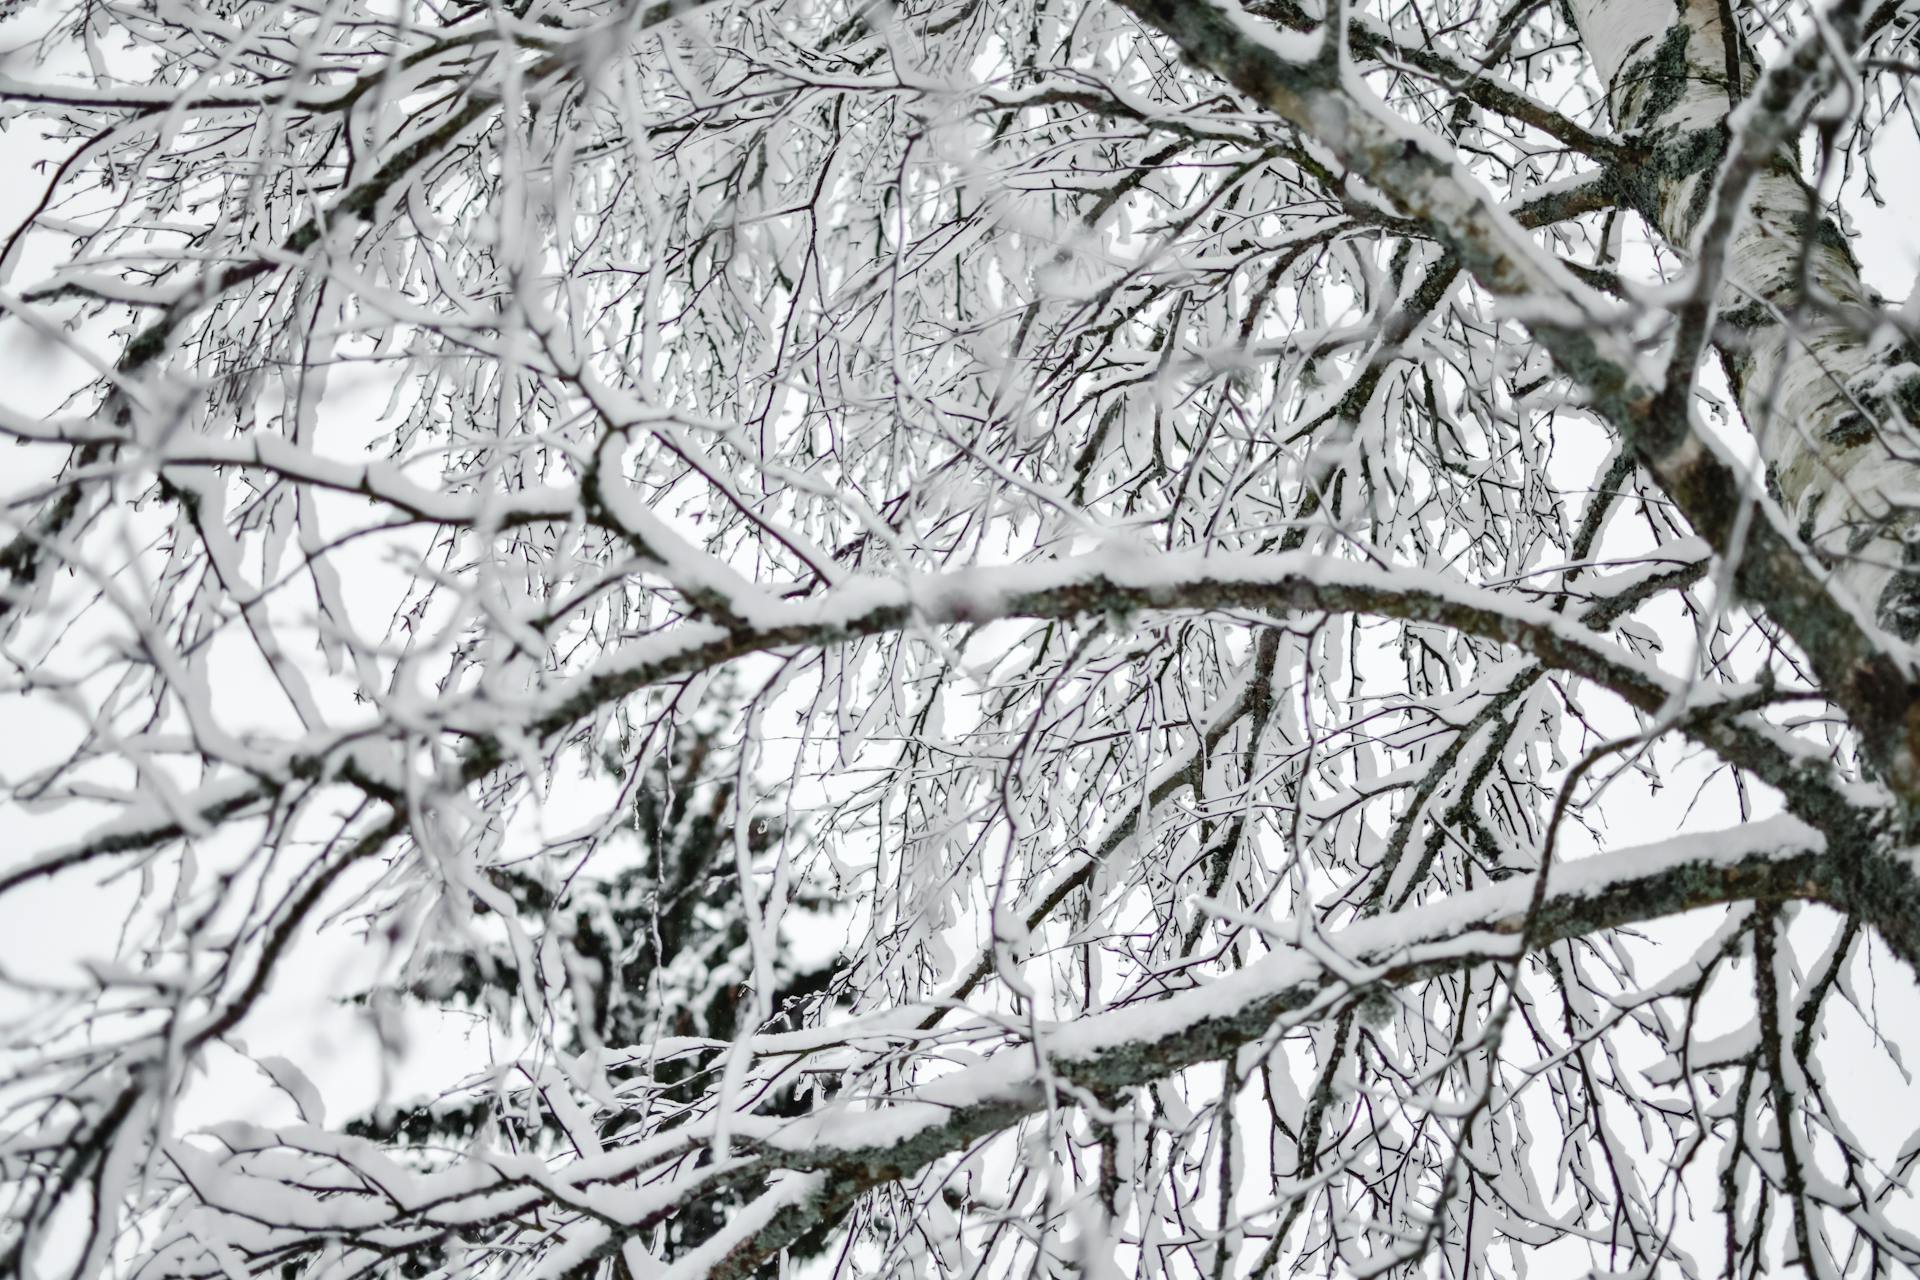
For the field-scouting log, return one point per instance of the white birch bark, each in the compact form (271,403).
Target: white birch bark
(1828,403)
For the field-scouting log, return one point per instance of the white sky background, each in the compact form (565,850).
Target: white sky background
(46,927)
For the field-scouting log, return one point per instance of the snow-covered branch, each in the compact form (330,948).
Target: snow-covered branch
(955,639)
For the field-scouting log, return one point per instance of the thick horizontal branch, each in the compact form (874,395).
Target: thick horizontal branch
(1126,580)
(849,1152)
(848,1147)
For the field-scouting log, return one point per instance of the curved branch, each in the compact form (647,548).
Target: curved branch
(816,1165)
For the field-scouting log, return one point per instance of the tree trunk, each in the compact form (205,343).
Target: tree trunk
(1828,400)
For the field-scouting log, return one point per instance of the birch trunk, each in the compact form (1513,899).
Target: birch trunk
(1829,403)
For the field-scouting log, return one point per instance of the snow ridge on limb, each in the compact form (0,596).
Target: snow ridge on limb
(844,1149)
(1124,580)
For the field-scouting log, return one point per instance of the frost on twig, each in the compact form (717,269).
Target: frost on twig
(1125,638)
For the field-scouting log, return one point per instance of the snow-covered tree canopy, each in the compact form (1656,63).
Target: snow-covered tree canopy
(1139,638)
